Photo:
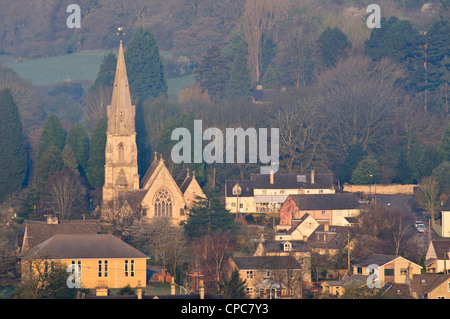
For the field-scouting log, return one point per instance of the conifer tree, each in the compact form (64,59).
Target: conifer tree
(50,163)
(269,79)
(144,66)
(213,72)
(78,140)
(240,82)
(52,134)
(13,156)
(107,72)
(332,43)
(96,162)
(69,158)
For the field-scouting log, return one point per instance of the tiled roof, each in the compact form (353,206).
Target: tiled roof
(277,246)
(423,284)
(266,262)
(39,231)
(292,181)
(326,201)
(441,247)
(335,238)
(246,188)
(70,246)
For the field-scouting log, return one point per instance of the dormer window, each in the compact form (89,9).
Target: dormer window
(237,190)
(287,246)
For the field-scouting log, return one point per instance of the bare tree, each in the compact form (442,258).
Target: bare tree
(64,195)
(260,16)
(426,195)
(95,106)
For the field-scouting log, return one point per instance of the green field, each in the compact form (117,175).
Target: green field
(76,67)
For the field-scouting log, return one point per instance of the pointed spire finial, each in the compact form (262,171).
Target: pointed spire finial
(187,170)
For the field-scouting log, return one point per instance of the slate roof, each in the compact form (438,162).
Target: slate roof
(377,259)
(336,238)
(39,231)
(446,207)
(266,262)
(150,171)
(246,188)
(292,181)
(423,284)
(326,201)
(441,247)
(273,246)
(83,246)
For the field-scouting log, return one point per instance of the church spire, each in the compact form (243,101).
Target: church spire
(121,113)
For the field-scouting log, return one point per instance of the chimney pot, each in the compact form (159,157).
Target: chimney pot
(271,177)
(312,176)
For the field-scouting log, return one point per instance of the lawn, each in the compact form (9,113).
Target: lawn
(76,67)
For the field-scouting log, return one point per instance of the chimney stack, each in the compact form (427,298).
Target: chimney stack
(271,177)
(312,176)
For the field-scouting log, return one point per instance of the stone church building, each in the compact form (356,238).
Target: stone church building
(157,194)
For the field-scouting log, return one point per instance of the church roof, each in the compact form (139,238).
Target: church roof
(150,171)
(121,113)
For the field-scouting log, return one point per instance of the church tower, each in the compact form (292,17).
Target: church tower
(121,169)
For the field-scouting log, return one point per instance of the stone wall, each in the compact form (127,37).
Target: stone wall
(389,189)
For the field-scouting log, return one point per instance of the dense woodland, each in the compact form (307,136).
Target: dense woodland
(352,101)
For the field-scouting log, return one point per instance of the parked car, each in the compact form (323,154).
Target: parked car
(420,226)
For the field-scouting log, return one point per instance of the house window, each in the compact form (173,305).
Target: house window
(423,281)
(324,213)
(268,273)
(105,268)
(291,273)
(264,192)
(287,246)
(403,271)
(440,297)
(132,268)
(126,268)
(99,268)
(249,290)
(389,272)
(233,204)
(282,192)
(163,202)
(359,270)
(320,191)
(448,286)
(77,269)
(249,274)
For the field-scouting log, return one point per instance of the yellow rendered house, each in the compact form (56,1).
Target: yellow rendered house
(103,260)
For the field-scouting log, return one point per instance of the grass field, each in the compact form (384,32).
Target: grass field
(76,67)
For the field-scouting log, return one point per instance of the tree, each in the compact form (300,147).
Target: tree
(366,172)
(13,156)
(69,159)
(95,172)
(232,287)
(144,66)
(106,74)
(213,72)
(355,155)
(332,44)
(51,162)
(162,239)
(78,140)
(445,143)
(239,84)
(208,216)
(269,79)
(212,252)
(260,17)
(64,195)
(52,134)
(426,196)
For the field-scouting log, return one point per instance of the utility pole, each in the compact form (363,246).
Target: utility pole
(348,250)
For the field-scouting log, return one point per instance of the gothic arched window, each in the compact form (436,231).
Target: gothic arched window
(121,149)
(163,202)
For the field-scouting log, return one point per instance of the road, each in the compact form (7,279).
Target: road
(410,212)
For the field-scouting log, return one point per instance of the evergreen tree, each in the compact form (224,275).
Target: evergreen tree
(445,144)
(96,162)
(208,216)
(78,140)
(69,158)
(144,66)
(355,155)
(232,287)
(52,134)
(366,172)
(269,79)
(13,156)
(107,72)
(240,82)
(213,72)
(50,163)
(332,44)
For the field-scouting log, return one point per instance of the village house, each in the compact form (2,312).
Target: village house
(269,277)
(445,218)
(430,286)
(104,260)
(333,209)
(391,268)
(265,193)
(437,259)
